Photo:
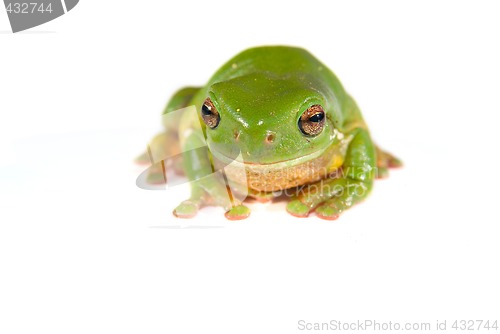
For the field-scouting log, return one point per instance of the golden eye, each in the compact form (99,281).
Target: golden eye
(312,121)
(209,114)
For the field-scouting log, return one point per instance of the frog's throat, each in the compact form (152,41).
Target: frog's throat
(283,174)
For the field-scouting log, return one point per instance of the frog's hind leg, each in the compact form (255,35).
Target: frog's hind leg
(166,144)
(385,161)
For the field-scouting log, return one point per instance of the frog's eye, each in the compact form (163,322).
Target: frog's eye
(209,114)
(312,121)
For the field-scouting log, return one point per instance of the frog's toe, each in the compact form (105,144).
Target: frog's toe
(186,209)
(263,200)
(297,208)
(143,159)
(238,212)
(395,162)
(382,173)
(385,160)
(327,211)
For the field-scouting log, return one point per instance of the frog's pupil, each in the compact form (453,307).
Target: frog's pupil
(206,110)
(316,118)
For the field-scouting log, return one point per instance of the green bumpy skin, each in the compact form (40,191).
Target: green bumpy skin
(260,96)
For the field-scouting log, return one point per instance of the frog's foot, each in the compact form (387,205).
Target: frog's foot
(211,191)
(238,212)
(261,196)
(329,210)
(385,161)
(330,198)
(187,209)
(298,209)
(263,199)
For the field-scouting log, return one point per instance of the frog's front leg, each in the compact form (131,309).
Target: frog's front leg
(330,197)
(207,187)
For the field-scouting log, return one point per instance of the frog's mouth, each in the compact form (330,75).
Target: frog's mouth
(240,162)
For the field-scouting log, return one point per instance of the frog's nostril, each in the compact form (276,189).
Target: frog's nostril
(236,134)
(270,137)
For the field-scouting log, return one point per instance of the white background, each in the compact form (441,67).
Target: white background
(83,250)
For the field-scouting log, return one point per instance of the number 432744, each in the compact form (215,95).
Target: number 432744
(28,8)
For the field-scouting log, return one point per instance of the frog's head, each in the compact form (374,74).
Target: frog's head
(269,119)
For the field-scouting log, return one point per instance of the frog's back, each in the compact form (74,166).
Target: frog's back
(279,60)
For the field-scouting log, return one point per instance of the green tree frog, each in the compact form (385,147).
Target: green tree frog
(288,125)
